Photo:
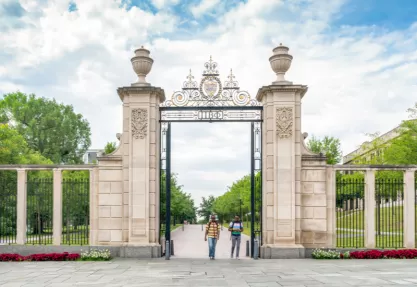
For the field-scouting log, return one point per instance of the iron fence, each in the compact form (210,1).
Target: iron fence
(8,208)
(415,209)
(75,211)
(350,207)
(39,211)
(389,216)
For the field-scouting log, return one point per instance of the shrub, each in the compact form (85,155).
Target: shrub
(367,254)
(323,254)
(96,255)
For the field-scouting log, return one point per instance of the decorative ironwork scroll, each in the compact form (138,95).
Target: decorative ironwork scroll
(284,118)
(210,92)
(139,123)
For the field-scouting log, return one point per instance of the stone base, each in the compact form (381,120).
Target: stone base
(145,252)
(283,252)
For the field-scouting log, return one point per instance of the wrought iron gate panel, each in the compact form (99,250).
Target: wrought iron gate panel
(165,184)
(256,185)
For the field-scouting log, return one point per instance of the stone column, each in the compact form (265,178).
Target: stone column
(21,206)
(409,209)
(281,155)
(369,212)
(57,217)
(141,132)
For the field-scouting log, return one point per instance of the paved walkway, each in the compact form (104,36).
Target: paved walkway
(204,272)
(190,243)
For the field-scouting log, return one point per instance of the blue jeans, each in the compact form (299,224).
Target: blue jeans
(212,246)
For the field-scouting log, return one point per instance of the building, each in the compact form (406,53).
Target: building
(369,152)
(91,155)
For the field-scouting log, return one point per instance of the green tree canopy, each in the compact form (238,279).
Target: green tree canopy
(110,147)
(329,146)
(52,129)
(15,150)
(403,149)
(206,207)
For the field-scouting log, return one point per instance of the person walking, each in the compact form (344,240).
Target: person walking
(213,234)
(236,229)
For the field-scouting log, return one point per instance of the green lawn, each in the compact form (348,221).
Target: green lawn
(350,228)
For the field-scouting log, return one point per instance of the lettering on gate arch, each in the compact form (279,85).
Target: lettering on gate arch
(210,115)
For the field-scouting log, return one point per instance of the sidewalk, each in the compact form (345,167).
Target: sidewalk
(190,243)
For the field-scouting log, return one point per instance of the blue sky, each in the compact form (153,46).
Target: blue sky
(359,59)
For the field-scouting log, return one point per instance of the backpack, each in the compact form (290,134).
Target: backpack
(233,223)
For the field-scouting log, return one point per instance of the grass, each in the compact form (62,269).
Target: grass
(350,228)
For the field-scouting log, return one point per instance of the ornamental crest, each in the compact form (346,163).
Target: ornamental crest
(210,92)
(139,123)
(284,121)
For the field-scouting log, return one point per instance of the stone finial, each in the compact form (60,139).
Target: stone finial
(280,64)
(142,65)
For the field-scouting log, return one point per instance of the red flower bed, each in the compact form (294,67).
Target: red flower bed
(41,257)
(378,254)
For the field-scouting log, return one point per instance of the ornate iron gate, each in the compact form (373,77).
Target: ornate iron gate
(210,101)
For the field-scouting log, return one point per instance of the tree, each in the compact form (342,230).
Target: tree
(52,129)
(206,207)
(15,150)
(110,147)
(403,149)
(182,205)
(329,146)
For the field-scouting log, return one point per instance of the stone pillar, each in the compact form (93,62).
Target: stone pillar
(141,132)
(21,206)
(369,209)
(409,209)
(94,196)
(57,216)
(281,154)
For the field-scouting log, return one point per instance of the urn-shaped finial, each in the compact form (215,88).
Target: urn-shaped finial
(142,65)
(280,64)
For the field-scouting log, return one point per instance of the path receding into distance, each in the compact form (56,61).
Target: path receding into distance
(190,243)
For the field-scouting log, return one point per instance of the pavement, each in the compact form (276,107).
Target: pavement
(204,272)
(189,243)
(191,267)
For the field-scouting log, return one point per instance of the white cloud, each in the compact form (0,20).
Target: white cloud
(162,3)
(361,79)
(205,6)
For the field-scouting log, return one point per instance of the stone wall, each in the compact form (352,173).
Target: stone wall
(110,201)
(313,212)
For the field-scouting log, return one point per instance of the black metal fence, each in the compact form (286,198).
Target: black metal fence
(8,208)
(350,207)
(389,216)
(39,211)
(75,211)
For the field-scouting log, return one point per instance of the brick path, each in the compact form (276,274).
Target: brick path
(204,272)
(190,243)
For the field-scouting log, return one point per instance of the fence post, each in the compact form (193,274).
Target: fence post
(57,214)
(331,207)
(247,248)
(409,209)
(167,250)
(369,212)
(21,206)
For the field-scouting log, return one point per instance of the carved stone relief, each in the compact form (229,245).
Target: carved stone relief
(139,123)
(284,121)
